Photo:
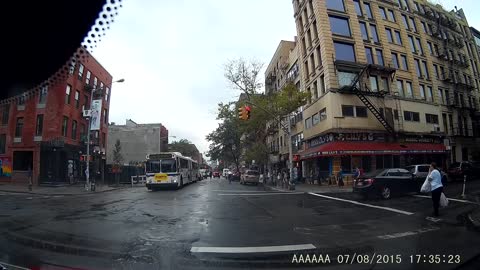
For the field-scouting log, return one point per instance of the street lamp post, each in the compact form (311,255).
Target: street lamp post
(87,170)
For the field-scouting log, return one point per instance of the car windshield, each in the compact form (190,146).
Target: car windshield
(223,134)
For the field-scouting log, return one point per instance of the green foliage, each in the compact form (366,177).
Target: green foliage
(117,153)
(184,146)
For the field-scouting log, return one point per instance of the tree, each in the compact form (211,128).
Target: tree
(184,146)
(244,75)
(117,159)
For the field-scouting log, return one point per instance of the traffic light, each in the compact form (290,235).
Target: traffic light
(241,113)
(247,112)
(244,112)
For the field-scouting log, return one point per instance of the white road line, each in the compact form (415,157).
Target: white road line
(363,204)
(408,233)
(244,191)
(16,266)
(263,249)
(259,194)
(450,199)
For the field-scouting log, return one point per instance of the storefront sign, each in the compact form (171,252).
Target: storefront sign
(360,136)
(58,142)
(5,167)
(422,140)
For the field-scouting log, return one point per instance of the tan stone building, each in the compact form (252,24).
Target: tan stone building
(392,82)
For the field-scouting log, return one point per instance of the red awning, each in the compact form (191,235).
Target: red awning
(372,148)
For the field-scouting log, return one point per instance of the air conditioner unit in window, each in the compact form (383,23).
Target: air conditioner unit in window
(436,128)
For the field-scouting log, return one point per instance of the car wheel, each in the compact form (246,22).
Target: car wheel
(386,193)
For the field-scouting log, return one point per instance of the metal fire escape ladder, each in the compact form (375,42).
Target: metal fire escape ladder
(367,102)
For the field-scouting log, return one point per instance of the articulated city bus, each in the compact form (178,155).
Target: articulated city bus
(170,169)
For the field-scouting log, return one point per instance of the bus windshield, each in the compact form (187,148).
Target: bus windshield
(164,166)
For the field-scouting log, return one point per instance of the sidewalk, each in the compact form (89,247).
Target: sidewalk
(76,189)
(301,187)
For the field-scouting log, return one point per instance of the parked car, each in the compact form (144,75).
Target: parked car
(216,174)
(250,176)
(420,172)
(387,182)
(458,170)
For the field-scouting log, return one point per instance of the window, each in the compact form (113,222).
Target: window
(373,83)
(379,57)
(304,46)
(373,32)
(411,116)
(315,119)
(412,45)
(323,114)
(105,116)
(391,15)
(395,114)
(87,79)
(417,68)
(405,22)
(77,99)
(319,60)
(382,13)
(356,3)
(442,72)
(67,94)
(71,67)
(39,125)
(19,127)
(435,69)
(307,72)
(368,11)
(398,37)
(431,118)
(395,60)
(361,111)
(424,27)
(430,48)
(312,62)
(400,90)
(425,69)
(315,90)
(409,90)
(80,71)
(3,143)
(412,24)
(95,81)
(429,93)
(363,29)
(315,30)
(415,6)
(441,97)
(389,35)
(322,84)
(344,51)
(345,78)
(347,110)
(5,114)
(42,96)
(309,39)
(339,26)
(308,123)
(64,126)
(335,5)
(104,140)
(74,129)
(422,92)
(419,45)
(404,62)
(384,84)
(369,54)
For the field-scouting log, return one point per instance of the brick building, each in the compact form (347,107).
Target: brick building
(392,83)
(45,130)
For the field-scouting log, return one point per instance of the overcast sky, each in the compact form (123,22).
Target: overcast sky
(171,55)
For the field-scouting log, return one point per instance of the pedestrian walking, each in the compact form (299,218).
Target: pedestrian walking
(269,177)
(357,173)
(340,177)
(311,176)
(435,179)
(279,177)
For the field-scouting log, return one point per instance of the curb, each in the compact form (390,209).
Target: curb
(63,194)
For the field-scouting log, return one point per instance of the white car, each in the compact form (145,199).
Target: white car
(226,172)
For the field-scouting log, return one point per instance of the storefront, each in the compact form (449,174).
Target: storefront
(328,154)
(55,159)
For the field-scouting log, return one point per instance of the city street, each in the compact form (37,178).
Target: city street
(215,224)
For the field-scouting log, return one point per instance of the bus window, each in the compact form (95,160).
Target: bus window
(152,166)
(183,163)
(168,165)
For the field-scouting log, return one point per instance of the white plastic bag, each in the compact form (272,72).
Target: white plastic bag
(426,187)
(443,200)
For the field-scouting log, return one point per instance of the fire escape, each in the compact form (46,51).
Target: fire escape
(363,93)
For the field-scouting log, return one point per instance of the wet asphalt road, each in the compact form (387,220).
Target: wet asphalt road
(173,229)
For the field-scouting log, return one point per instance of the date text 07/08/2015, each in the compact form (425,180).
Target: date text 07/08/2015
(376,258)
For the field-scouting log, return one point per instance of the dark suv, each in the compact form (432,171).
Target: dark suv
(458,170)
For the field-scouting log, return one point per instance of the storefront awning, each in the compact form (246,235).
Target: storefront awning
(372,148)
